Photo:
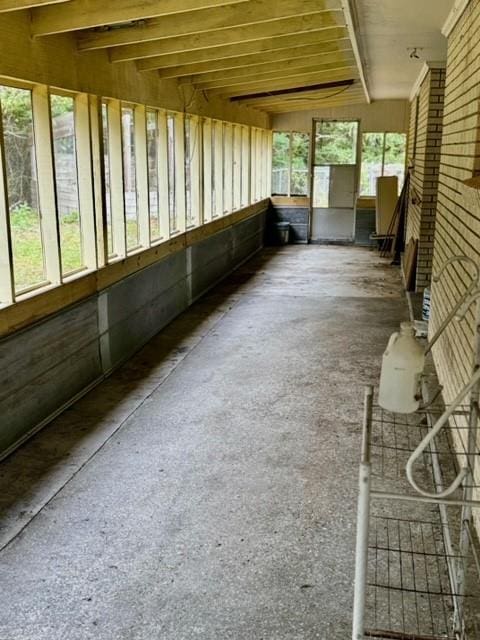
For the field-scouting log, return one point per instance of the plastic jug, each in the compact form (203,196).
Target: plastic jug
(402,366)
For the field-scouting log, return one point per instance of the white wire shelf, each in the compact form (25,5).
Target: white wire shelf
(408,588)
(393,439)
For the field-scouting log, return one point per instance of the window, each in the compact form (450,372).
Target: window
(335,142)
(88,180)
(290,163)
(130,178)
(153,186)
(22,188)
(66,182)
(383,154)
(172,201)
(107,173)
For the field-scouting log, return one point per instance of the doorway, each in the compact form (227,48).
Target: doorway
(334,178)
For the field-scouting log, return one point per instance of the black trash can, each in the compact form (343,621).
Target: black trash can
(282,233)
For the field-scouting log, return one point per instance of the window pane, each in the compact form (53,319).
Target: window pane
(299,170)
(395,144)
(130,177)
(21,170)
(336,142)
(321,186)
(280,163)
(372,158)
(66,182)
(152,156)
(108,193)
(188,171)
(172,205)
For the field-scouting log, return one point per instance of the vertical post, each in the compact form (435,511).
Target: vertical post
(363,514)
(237,166)
(468,483)
(85,180)
(46,182)
(207,170)
(227,168)
(245,196)
(180,172)
(162,165)
(7,289)
(253,165)
(218,167)
(141,168)
(115,149)
(98,168)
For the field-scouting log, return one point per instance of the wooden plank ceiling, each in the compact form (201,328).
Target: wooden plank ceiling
(274,55)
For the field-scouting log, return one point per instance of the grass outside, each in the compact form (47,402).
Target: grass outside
(27,246)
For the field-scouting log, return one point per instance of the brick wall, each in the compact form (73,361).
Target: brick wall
(425,135)
(457,224)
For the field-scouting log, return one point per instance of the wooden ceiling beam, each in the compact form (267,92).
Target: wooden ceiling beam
(281,69)
(16,5)
(328,41)
(207,20)
(296,97)
(236,92)
(255,61)
(237,35)
(323,73)
(87,14)
(310,105)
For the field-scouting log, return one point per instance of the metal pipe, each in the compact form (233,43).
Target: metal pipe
(390,495)
(432,434)
(438,479)
(363,513)
(475,282)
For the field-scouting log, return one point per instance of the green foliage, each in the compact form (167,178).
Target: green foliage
(336,142)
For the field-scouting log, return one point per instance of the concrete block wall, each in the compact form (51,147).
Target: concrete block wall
(425,137)
(297,216)
(48,365)
(457,225)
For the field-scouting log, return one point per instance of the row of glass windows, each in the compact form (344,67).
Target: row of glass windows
(85,181)
(383,154)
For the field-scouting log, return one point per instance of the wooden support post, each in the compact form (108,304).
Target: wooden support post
(117,201)
(141,167)
(46,182)
(85,180)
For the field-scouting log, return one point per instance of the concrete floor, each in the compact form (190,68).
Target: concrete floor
(208,488)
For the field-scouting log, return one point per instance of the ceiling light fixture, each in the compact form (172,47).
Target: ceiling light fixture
(414,52)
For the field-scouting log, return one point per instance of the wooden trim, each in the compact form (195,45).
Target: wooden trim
(30,310)
(17,5)
(245,195)
(454,16)
(350,13)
